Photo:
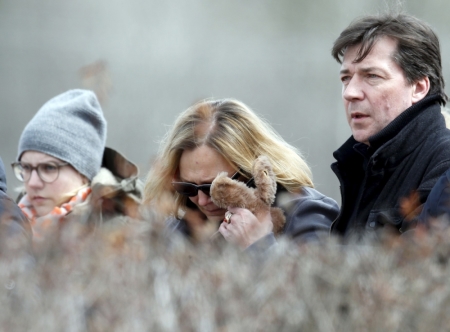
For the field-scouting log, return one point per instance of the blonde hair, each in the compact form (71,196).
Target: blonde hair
(237,133)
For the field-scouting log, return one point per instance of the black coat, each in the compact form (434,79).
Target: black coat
(390,184)
(438,202)
(12,221)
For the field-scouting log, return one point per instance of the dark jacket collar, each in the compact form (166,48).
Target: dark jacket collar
(400,136)
(401,121)
(346,154)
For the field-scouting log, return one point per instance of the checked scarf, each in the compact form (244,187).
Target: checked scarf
(40,225)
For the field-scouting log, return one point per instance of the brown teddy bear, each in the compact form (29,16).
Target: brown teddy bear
(226,192)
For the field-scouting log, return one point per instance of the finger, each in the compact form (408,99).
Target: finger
(229,232)
(228,216)
(235,228)
(238,220)
(235,220)
(234,209)
(224,231)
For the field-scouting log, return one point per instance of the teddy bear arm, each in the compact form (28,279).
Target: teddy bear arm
(278,220)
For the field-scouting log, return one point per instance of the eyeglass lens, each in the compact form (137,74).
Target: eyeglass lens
(47,172)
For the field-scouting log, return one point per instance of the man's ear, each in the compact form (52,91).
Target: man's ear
(420,89)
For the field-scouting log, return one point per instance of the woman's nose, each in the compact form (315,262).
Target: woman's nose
(34,180)
(203,199)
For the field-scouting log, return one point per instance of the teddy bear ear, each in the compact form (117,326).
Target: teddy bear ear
(263,160)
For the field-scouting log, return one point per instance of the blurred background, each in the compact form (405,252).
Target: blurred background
(149,60)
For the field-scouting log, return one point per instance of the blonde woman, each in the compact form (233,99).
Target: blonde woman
(214,136)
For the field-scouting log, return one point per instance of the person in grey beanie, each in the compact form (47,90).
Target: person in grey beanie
(65,166)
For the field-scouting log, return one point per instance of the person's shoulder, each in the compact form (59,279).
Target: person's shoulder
(437,144)
(438,129)
(308,199)
(8,206)
(437,202)
(441,186)
(12,219)
(311,194)
(433,142)
(309,215)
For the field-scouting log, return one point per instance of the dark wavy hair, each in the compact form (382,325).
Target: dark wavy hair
(418,52)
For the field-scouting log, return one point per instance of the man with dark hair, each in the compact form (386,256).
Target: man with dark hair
(392,88)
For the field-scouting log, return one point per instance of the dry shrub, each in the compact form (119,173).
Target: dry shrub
(136,277)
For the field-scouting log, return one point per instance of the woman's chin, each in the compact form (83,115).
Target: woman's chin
(215,215)
(43,210)
(215,219)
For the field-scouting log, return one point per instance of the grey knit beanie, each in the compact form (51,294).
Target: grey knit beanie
(70,127)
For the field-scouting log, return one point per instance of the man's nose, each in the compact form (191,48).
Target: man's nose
(353,90)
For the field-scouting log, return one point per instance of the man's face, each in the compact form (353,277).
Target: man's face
(375,90)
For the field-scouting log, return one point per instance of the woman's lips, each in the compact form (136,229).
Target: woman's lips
(38,199)
(215,211)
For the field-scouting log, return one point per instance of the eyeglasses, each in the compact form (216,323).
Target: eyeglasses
(191,190)
(47,172)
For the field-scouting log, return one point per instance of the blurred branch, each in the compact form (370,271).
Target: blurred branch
(96,77)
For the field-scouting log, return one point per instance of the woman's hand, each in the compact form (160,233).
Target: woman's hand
(244,228)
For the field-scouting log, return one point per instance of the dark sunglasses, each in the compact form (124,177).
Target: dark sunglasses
(191,190)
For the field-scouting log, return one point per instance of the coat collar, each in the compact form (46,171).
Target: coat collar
(118,164)
(401,136)
(404,119)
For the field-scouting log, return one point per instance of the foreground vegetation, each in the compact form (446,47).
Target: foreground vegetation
(136,278)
